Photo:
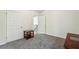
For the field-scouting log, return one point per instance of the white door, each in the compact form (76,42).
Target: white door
(14,26)
(20,25)
(41,24)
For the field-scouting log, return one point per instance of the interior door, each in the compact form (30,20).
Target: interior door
(20,25)
(42,25)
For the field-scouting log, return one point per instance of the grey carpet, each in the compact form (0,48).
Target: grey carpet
(40,41)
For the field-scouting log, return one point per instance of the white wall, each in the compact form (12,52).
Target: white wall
(2,26)
(13,23)
(77,21)
(59,23)
(17,22)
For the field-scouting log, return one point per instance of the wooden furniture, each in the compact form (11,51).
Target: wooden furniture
(28,34)
(72,41)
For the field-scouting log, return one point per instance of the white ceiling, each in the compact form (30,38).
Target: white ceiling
(39,11)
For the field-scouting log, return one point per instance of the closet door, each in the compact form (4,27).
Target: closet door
(14,28)
(2,26)
(42,25)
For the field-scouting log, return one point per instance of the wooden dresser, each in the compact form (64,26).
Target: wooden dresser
(28,34)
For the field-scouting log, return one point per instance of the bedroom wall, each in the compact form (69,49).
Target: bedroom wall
(60,22)
(77,21)
(17,22)
(13,23)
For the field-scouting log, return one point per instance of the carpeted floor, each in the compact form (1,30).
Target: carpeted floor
(40,41)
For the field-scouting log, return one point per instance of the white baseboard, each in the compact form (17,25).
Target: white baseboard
(2,43)
(55,36)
